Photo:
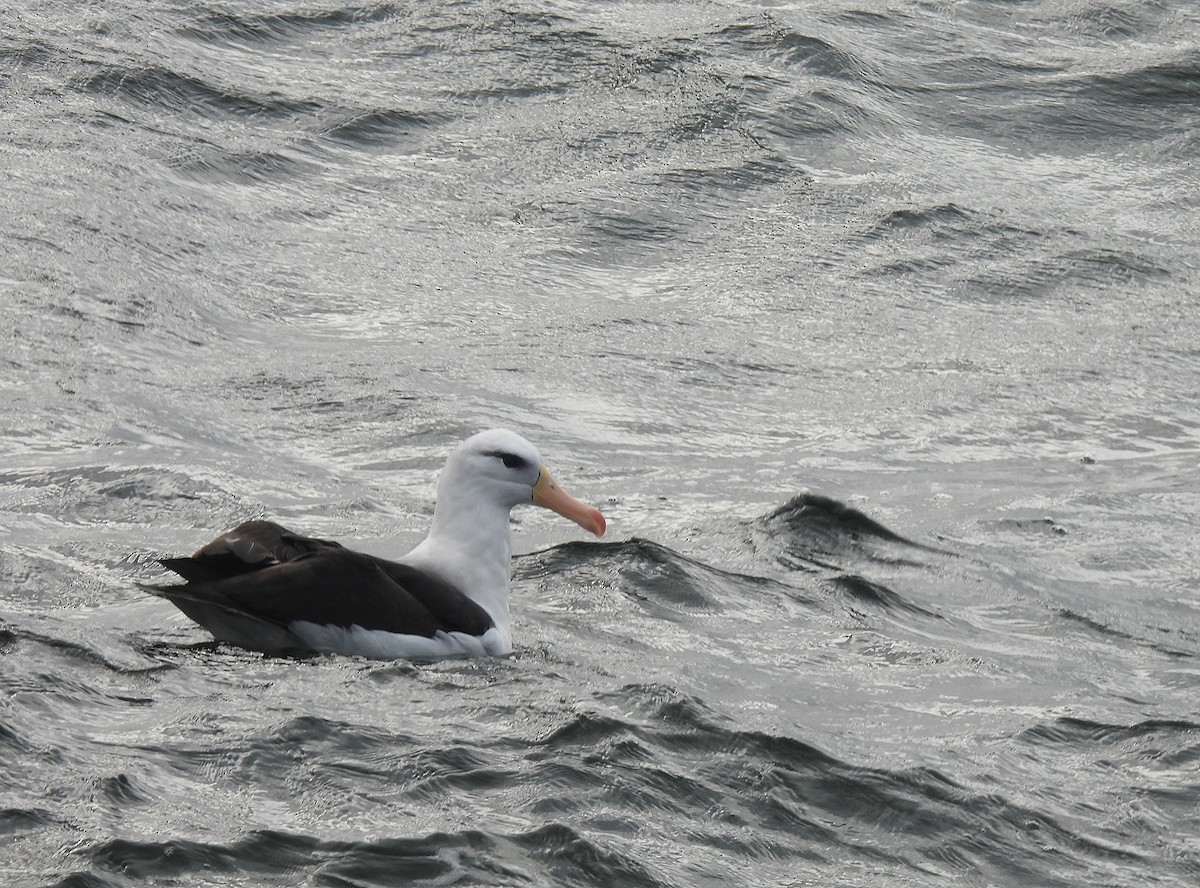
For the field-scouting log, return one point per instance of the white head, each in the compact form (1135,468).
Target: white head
(497,465)
(498,469)
(469,543)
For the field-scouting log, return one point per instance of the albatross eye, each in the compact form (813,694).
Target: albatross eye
(511,460)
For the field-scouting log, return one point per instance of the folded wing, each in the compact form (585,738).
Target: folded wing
(251,585)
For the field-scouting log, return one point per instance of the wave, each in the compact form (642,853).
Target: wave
(1165,84)
(555,851)
(833,558)
(262,135)
(1080,731)
(381,127)
(11,739)
(649,573)
(1094,625)
(16,820)
(777,43)
(99,494)
(816,532)
(875,594)
(251,29)
(164,89)
(774,795)
(627,769)
(1010,261)
(811,514)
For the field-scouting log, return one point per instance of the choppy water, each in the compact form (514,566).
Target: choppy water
(871,326)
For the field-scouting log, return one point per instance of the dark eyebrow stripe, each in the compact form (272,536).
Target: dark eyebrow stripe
(510,460)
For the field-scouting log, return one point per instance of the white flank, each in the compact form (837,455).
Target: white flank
(380,645)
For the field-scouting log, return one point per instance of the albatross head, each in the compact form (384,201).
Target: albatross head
(500,469)
(469,544)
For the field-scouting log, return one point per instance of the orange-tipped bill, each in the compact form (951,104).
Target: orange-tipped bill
(547,493)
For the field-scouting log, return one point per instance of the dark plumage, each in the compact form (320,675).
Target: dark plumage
(260,577)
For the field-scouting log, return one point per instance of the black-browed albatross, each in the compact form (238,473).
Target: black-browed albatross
(263,587)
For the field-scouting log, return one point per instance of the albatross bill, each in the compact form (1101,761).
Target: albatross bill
(548,495)
(270,589)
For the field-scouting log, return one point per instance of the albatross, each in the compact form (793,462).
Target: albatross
(264,587)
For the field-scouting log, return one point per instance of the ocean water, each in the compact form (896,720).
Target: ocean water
(871,326)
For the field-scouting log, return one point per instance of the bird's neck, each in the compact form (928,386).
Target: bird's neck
(470,547)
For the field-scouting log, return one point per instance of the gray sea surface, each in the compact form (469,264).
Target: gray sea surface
(871,326)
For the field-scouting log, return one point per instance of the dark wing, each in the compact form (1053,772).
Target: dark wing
(250,546)
(274,577)
(228,623)
(444,601)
